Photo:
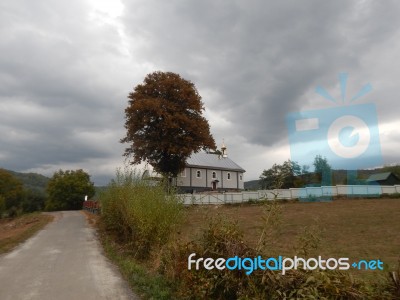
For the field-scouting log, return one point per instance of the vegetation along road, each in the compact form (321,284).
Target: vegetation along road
(63,261)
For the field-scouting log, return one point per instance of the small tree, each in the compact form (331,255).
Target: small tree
(280,176)
(11,189)
(164,123)
(2,206)
(33,201)
(323,170)
(67,189)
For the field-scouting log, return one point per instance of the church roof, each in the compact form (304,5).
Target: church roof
(214,161)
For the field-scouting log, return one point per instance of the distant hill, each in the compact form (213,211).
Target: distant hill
(252,185)
(38,183)
(32,181)
(99,190)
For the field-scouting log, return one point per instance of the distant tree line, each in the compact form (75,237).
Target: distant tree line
(291,175)
(66,190)
(15,199)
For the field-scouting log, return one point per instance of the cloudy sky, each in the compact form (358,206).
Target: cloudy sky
(66,68)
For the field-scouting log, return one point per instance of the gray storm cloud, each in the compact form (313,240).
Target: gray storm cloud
(66,69)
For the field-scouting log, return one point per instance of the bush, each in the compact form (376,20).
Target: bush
(394,196)
(139,212)
(66,190)
(222,238)
(33,201)
(2,206)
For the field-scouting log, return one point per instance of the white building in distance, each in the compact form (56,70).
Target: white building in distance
(211,172)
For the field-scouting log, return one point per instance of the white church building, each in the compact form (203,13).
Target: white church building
(211,172)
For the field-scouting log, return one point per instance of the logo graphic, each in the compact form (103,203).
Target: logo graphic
(280,263)
(346,135)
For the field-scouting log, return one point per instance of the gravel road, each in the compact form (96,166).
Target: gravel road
(62,261)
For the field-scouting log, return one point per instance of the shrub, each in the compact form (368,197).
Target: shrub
(390,286)
(140,212)
(33,201)
(2,206)
(394,196)
(222,238)
(66,190)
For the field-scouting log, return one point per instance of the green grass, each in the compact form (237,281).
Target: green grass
(142,281)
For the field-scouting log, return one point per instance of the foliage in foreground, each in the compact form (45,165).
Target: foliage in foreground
(221,238)
(145,283)
(139,212)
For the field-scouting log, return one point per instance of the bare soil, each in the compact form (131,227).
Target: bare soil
(17,230)
(354,228)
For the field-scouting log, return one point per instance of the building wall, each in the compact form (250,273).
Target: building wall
(184,178)
(229,183)
(210,178)
(188,178)
(241,180)
(199,182)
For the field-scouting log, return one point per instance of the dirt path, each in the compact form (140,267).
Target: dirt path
(63,261)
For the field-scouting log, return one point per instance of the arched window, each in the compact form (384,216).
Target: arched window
(198,174)
(214,175)
(229,176)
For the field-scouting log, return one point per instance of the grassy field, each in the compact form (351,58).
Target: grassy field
(353,228)
(15,231)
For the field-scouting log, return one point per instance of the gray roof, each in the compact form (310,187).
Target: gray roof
(379,176)
(213,161)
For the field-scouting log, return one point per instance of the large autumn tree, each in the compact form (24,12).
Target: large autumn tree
(164,123)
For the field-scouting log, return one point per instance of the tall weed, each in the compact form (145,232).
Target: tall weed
(140,211)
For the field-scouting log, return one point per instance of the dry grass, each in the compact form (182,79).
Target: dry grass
(15,231)
(358,229)
(91,218)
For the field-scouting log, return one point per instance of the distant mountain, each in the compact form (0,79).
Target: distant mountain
(32,181)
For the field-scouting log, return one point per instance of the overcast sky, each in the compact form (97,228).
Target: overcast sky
(66,68)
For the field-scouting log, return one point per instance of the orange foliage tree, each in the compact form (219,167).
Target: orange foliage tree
(164,123)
